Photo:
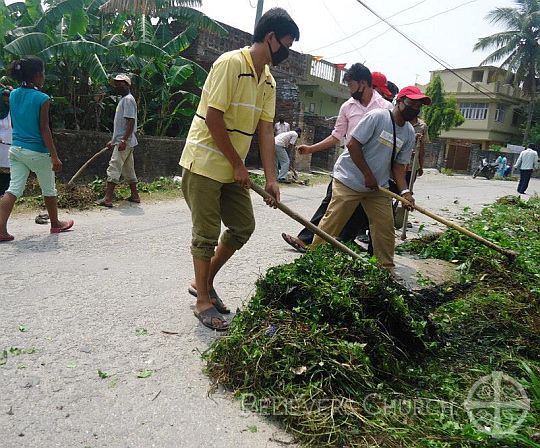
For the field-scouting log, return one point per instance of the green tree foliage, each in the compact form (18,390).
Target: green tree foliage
(517,48)
(443,113)
(83,45)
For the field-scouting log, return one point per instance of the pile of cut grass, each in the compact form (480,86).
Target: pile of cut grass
(83,197)
(344,356)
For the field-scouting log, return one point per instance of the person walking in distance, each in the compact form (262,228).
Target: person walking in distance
(123,143)
(281,126)
(32,147)
(526,163)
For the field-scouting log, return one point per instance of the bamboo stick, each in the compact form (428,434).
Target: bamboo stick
(85,165)
(508,253)
(325,236)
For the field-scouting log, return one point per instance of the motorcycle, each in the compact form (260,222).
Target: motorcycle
(486,169)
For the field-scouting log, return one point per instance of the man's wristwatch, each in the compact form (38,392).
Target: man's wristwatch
(123,140)
(405,191)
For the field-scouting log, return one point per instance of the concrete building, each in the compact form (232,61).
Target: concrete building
(491,118)
(322,92)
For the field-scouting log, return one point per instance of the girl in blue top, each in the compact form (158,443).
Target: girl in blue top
(32,147)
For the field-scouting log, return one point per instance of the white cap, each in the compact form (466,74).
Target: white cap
(122,77)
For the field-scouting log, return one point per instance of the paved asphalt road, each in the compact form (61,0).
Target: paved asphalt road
(100,297)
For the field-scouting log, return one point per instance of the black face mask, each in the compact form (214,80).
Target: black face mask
(358,95)
(409,113)
(279,56)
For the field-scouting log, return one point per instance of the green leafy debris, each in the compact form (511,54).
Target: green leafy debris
(345,356)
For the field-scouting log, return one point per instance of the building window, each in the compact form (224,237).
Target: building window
(500,113)
(309,93)
(492,76)
(474,111)
(516,118)
(477,76)
(312,108)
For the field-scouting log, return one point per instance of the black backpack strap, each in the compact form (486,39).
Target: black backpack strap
(395,138)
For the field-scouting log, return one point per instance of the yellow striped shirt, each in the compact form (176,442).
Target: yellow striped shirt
(233,88)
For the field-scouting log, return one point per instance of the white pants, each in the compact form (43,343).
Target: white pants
(121,164)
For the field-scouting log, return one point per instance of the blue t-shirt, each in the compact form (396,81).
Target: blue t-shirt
(25,106)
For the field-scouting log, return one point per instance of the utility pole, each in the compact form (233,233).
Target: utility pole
(258,15)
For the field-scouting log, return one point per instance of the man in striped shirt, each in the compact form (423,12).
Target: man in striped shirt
(238,98)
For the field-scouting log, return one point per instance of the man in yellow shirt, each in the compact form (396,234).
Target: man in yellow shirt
(238,98)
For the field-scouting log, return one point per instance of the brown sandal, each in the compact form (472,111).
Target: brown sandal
(208,317)
(216,300)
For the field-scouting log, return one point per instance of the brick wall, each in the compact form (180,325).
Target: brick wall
(434,154)
(154,156)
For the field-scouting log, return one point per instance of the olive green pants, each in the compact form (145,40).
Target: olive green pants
(211,203)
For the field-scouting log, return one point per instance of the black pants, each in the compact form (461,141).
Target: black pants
(358,222)
(4,182)
(524,178)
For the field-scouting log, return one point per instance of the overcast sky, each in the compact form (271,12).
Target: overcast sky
(450,36)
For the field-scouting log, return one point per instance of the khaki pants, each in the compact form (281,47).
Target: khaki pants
(378,208)
(121,164)
(212,202)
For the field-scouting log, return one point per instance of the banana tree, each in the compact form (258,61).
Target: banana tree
(82,46)
(146,7)
(168,107)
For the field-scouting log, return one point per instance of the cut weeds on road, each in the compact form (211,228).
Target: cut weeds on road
(344,356)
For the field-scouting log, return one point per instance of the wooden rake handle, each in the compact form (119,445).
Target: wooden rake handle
(325,236)
(506,252)
(88,162)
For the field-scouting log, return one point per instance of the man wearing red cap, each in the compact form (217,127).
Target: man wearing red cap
(380,84)
(363,99)
(380,148)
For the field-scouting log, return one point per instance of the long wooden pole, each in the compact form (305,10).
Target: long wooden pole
(411,185)
(325,236)
(508,253)
(88,162)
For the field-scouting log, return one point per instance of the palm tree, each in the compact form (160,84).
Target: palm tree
(518,47)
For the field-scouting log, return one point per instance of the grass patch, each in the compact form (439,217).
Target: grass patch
(447,171)
(303,179)
(346,357)
(82,197)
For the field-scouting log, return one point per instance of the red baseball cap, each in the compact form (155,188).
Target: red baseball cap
(414,93)
(379,81)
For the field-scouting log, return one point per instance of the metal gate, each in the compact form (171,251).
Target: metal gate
(458,156)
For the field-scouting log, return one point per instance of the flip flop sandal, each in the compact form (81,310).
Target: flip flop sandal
(219,305)
(136,201)
(290,241)
(208,317)
(68,225)
(6,238)
(102,203)
(42,219)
